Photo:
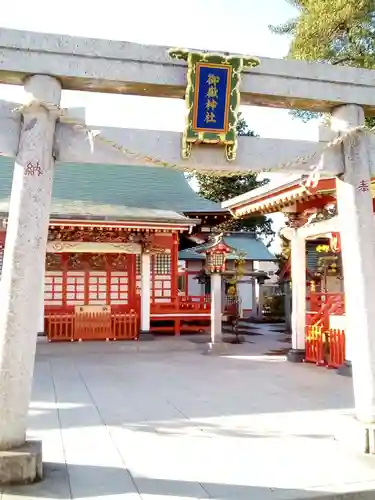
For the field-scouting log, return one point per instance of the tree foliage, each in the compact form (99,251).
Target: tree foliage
(338,32)
(219,189)
(334,31)
(284,255)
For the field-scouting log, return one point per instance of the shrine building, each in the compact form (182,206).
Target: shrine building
(311,220)
(119,255)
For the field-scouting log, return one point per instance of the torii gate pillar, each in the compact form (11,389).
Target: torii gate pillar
(24,260)
(354,201)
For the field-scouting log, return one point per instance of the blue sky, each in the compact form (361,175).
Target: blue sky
(232,25)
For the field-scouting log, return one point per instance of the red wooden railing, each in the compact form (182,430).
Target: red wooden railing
(188,303)
(60,327)
(191,304)
(125,326)
(91,326)
(187,313)
(314,345)
(194,303)
(336,343)
(325,347)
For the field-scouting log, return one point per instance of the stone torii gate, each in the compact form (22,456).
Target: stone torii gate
(36,137)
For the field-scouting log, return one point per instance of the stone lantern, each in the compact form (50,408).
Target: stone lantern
(216,251)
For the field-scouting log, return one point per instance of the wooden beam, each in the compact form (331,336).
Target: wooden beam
(130,68)
(315,202)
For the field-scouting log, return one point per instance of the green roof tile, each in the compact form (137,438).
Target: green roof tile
(117,185)
(189,254)
(252,248)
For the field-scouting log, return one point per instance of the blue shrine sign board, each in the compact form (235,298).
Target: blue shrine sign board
(211,99)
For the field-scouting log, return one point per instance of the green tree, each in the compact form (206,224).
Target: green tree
(338,32)
(284,255)
(334,31)
(219,189)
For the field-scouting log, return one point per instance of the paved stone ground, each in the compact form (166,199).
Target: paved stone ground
(158,420)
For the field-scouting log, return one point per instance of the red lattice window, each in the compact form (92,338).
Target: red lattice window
(161,284)
(97,293)
(138,264)
(75,288)
(161,290)
(138,274)
(119,287)
(161,263)
(86,285)
(53,288)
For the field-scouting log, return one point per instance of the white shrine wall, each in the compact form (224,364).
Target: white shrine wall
(193,287)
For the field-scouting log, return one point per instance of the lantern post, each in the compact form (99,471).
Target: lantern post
(216,251)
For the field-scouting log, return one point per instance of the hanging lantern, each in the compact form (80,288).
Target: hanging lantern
(215,261)
(216,251)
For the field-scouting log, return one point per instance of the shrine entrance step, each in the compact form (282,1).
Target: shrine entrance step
(91,323)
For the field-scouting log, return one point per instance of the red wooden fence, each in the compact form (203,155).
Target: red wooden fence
(314,345)
(93,326)
(325,347)
(189,303)
(336,342)
(125,326)
(60,327)
(188,313)
(65,327)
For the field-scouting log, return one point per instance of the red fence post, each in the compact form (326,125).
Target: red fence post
(336,348)
(314,345)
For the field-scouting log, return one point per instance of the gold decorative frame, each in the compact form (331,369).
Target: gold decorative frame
(227,135)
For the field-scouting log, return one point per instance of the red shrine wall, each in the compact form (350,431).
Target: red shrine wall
(89,279)
(111,279)
(108,279)
(164,269)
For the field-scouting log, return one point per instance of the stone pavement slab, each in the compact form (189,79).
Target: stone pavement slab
(158,420)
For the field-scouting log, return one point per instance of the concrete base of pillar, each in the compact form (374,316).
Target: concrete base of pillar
(296,355)
(355,435)
(22,465)
(146,336)
(217,348)
(346,369)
